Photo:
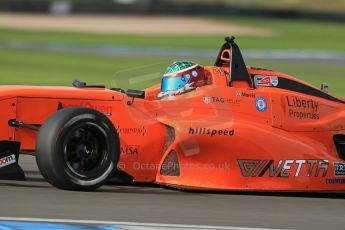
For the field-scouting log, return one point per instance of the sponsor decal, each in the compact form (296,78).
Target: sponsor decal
(105,109)
(303,108)
(339,169)
(261,80)
(207,100)
(261,104)
(8,160)
(221,100)
(211,132)
(244,94)
(132,130)
(283,168)
(274,81)
(335,181)
(218,71)
(194,73)
(201,167)
(130,150)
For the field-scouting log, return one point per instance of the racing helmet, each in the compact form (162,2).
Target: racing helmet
(182,77)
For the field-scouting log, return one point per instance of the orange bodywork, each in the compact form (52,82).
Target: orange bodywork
(215,137)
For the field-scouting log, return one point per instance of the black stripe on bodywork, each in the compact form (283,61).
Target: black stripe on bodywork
(295,86)
(266,168)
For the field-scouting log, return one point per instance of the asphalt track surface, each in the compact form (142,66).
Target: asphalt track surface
(35,198)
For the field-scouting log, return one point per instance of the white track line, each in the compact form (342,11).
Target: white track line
(129,225)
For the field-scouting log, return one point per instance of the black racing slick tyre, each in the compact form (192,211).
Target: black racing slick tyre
(77,149)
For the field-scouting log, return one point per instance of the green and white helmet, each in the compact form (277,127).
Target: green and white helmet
(182,76)
(178,67)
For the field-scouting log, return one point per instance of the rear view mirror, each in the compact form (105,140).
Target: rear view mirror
(135,93)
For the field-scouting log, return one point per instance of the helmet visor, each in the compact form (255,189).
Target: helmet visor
(174,83)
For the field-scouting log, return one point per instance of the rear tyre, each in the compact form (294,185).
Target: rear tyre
(77,149)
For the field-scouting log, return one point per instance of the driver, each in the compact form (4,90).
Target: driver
(182,77)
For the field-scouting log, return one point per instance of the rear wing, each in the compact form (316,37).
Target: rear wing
(230,55)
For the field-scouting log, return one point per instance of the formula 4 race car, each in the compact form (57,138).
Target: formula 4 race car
(249,129)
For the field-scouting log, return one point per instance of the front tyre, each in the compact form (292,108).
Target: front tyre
(77,149)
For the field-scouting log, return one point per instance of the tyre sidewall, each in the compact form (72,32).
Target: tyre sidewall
(50,152)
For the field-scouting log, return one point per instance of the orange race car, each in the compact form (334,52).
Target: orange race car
(224,127)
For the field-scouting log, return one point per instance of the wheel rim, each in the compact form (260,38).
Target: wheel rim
(85,150)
